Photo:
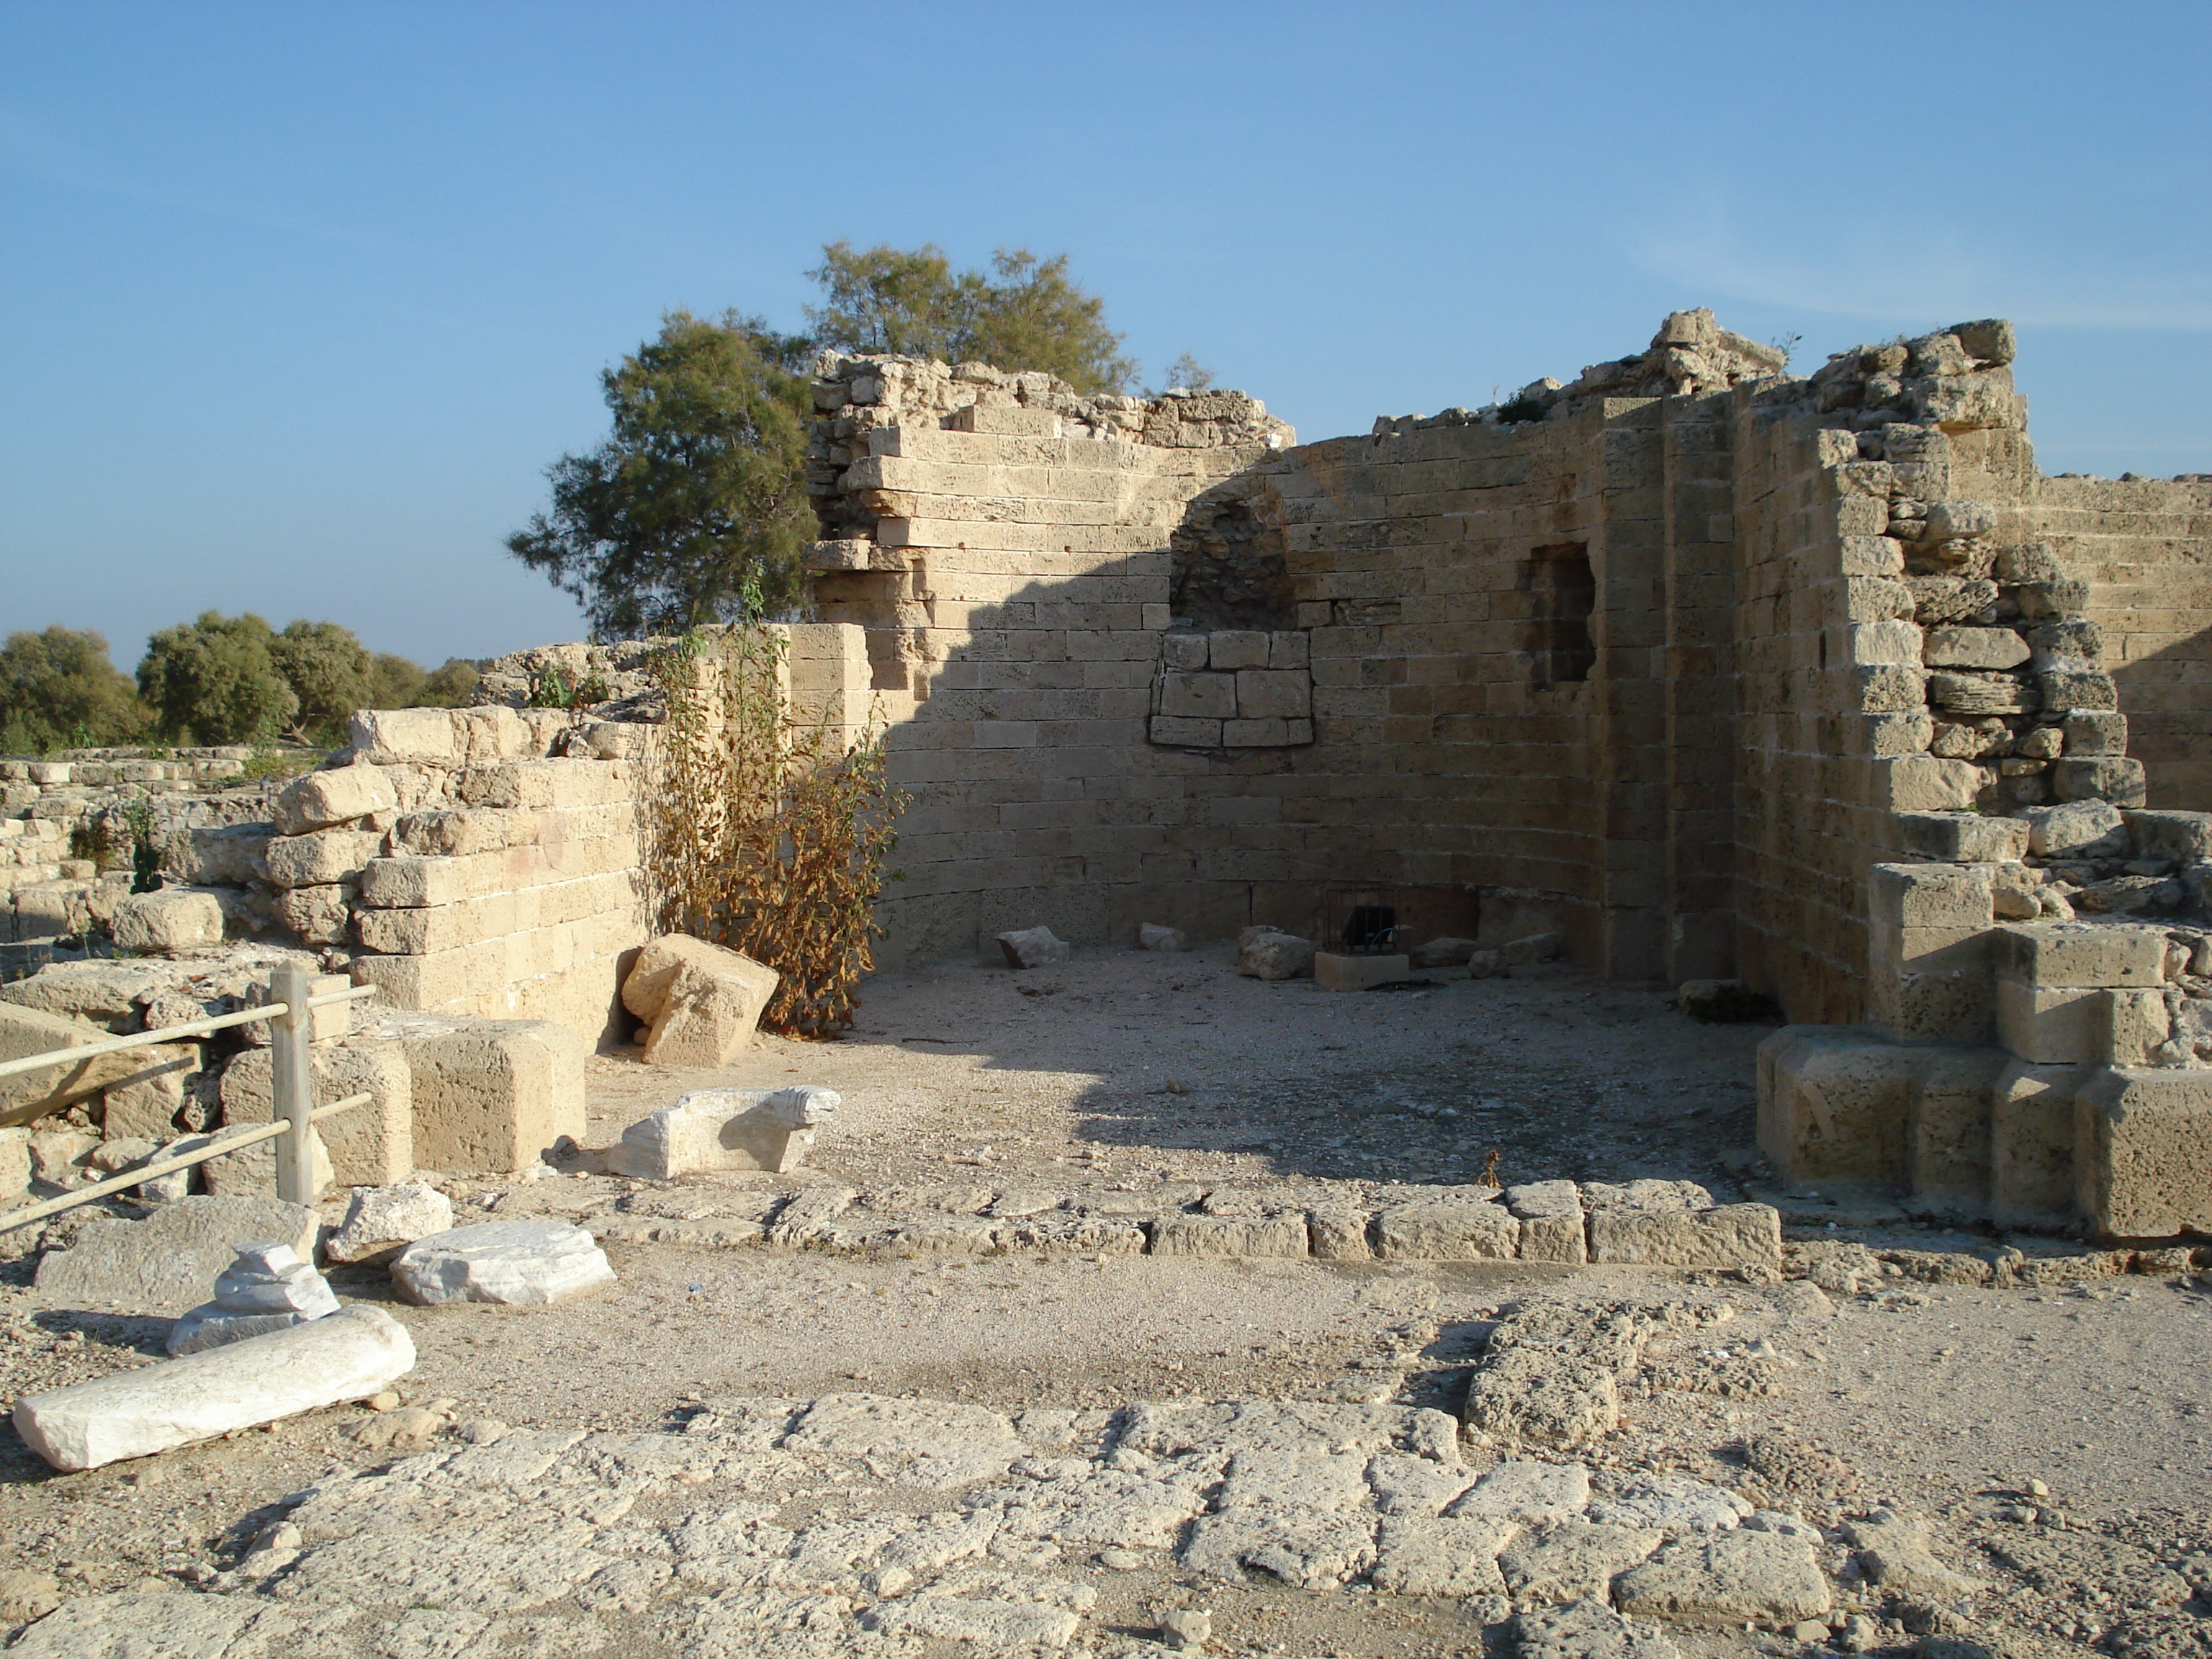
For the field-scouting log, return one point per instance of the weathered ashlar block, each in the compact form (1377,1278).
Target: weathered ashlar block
(2053,1007)
(2143,1152)
(700,1002)
(1928,952)
(2032,1140)
(373,1144)
(495,1095)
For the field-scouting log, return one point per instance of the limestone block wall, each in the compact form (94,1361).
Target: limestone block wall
(1910,644)
(65,840)
(1483,658)
(2044,1071)
(508,883)
(2145,549)
(1004,547)
(505,885)
(1464,602)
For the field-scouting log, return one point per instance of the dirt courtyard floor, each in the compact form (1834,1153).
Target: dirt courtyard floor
(2054,1437)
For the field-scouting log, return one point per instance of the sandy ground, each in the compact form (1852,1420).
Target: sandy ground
(1126,1062)
(1131,1070)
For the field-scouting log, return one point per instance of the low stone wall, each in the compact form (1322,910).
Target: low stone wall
(65,846)
(1646,1223)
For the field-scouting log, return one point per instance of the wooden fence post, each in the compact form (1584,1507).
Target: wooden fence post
(292,1078)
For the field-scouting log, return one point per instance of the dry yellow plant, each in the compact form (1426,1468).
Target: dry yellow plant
(763,831)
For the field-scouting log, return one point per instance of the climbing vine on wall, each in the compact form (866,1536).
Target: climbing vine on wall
(763,832)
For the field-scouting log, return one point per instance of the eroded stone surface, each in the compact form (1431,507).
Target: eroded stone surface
(1732,1575)
(521,1262)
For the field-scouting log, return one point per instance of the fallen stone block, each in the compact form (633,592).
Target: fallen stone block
(352,1354)
(266,1288)
(323,800)
(711,1129)
(1032,947)
(1152,937)
(32,1095)
(1332,972)
(1730,1235)
(1272,955)
(251,1171)
(700,1001)
(518,1263)
(163,1264)
(381,1221)
(1443,953)
(146,1103)
(371,1145)
(168,921)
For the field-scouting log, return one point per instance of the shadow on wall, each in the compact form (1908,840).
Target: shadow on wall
(2166,696)
(1039,794)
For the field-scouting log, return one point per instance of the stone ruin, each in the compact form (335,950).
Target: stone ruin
(1707,671)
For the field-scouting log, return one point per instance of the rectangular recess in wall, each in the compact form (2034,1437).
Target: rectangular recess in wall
(1565,593)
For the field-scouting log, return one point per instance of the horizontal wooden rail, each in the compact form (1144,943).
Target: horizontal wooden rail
(161,1166)
(168,1033)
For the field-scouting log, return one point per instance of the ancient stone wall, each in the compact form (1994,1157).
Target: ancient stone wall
(66,843)
(1161,667)
(2145,549)
(1005,546)
(1661,661)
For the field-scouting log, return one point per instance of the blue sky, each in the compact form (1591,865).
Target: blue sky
(297,301)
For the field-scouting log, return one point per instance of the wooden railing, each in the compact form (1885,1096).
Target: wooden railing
(289,1012)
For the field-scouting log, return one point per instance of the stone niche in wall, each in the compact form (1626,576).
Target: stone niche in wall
(1233,689)
(1233,673)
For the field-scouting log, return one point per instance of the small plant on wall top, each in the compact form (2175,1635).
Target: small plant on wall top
(763,832)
